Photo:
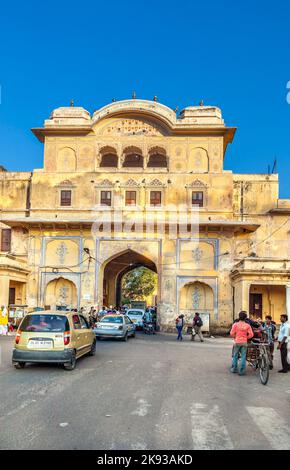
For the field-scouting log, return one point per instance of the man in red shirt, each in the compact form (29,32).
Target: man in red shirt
(241,332)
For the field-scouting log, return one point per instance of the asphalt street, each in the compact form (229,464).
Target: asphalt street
(149,393)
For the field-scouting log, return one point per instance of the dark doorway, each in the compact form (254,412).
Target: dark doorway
(12,296)
(256,305)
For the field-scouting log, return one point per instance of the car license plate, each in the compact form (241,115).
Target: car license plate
(39,344)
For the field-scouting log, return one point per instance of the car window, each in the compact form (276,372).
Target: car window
(76,322)
(112,319)
(84,323)
(135,312)
(38,323)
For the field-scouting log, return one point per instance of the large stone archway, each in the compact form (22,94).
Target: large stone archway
(116,267)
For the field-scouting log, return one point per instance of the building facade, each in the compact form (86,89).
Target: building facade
(136,185)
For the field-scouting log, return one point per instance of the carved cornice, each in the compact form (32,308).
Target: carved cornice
(130,183)
(156,183)
(106,183)
(196,184)
(65,184)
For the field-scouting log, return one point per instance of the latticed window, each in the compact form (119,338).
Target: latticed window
(109,157)
(157,158)
(106,198)
(130,198)
(155,198)
(65,197)
(133,157)
(197,198)
(6,239)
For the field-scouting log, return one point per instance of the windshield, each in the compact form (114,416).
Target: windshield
(42,323)
(112,320)
(135,312)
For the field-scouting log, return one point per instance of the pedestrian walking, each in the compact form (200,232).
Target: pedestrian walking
(269,328)
(179,322)
(241,332)
(3,320)
(283,338)
(197,324)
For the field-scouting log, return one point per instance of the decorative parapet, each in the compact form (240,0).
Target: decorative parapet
(202,116)
(193,119)
(261,267)
(10,262)
(68,116)
(145,106)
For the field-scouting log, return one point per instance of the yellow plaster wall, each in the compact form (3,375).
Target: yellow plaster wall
(72,162)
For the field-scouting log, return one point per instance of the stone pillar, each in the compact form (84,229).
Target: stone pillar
(145,155)
(4,290)
(24,293)
(241,297)
(288,300)
(121,159)
(98,157)
(119,155)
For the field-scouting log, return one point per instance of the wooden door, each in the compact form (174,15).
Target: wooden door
(256,306)
(12,296)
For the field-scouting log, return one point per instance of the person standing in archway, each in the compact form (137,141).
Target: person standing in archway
(179,322)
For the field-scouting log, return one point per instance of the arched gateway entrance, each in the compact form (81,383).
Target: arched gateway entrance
(116,268)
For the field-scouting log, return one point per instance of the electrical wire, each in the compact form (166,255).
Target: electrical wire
(90,258)
(271,234)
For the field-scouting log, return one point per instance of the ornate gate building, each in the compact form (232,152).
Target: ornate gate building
(136,185)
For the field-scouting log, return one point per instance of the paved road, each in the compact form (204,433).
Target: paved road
(148,393)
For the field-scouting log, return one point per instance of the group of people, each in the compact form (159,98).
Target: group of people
(245,329)
(94,316)
(197,324)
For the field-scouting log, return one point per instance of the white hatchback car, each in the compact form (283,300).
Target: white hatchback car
(136,315)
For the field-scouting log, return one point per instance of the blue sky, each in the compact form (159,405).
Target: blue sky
(233,54)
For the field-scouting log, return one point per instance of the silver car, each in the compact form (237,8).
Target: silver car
(115,326)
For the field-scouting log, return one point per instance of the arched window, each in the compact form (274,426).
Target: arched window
(133,157)
(66,160)
(157,158)
(109,157)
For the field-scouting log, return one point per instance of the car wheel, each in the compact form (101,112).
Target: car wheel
(133,335)
(125,337)
(93,348)
(19,365)
(72,364)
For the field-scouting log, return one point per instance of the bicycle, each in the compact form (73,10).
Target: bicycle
(258,354)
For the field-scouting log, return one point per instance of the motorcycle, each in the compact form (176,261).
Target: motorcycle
(148,328)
